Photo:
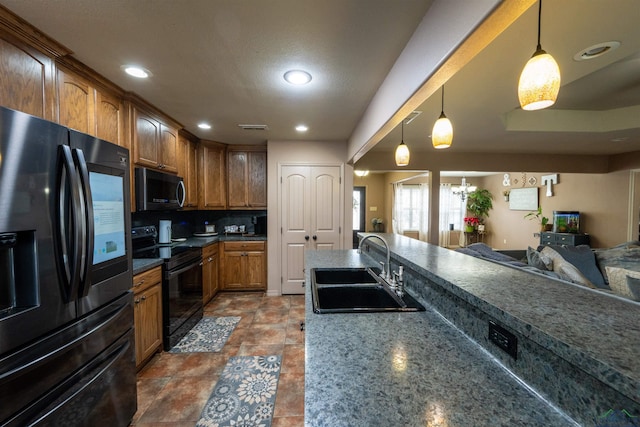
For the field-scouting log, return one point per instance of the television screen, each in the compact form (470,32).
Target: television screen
(107,192)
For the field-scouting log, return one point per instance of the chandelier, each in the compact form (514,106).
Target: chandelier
(463,189)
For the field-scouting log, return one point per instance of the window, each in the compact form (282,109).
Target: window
(411,207)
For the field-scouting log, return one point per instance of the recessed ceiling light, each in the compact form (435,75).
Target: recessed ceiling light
(204,126)
(136,71)
(297,77)
(302,128)
(596,50)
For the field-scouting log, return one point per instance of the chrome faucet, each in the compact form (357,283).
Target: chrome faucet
(385,273)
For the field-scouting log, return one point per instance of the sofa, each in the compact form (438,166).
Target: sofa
(613,270)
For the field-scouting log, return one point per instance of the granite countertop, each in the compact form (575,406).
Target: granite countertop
(596,331)
(392,369)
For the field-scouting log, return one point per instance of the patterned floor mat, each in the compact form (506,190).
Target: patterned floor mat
(208,335)
(245,393)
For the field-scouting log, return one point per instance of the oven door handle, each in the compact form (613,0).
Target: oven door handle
(171,274)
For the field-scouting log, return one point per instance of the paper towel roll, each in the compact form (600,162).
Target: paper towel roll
(165,231)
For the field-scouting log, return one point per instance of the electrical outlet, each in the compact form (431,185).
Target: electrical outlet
(503,339)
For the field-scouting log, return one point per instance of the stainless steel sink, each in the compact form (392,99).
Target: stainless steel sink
(355,290)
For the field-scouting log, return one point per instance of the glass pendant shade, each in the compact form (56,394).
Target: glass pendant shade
(539,82)
(402,154)
(442,133)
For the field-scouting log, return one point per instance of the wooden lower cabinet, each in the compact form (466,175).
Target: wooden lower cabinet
(147,314)
(243,265)
(210,268)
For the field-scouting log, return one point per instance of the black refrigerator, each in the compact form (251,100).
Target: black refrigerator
(66,310)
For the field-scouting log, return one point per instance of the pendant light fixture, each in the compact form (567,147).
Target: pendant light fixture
(540,79)
(402,151)
(442,133)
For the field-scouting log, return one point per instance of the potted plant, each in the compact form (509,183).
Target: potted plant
(470,224)
(378,224)
(543,220)
(479,203)
(505,193)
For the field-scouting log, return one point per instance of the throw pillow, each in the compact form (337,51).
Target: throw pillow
(633,285)
(625,283)
(583,258)
(624,257)
(534,259)
(565,270)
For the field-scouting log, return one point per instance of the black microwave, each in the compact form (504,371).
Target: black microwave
(158,191)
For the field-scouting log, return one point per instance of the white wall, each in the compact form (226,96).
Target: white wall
(300,152)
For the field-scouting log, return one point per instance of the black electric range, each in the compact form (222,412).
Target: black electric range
(181,282)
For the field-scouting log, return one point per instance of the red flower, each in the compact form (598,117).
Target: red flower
(471,221)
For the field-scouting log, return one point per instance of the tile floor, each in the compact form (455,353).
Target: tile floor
(173,388)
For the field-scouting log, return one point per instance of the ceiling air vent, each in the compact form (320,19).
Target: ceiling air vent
(253,127)
(411,117)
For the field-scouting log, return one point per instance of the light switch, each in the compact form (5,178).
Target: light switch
(373,208)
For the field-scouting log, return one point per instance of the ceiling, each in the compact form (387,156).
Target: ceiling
(598,107)
(222,62)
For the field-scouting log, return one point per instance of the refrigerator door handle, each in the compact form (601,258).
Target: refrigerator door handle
(87,225)
(67,257)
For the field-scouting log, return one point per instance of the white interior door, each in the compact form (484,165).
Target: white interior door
(310,215)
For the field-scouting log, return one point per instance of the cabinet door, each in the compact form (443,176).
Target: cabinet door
(167,150)
(76,103)
(109,119)
(257,179)
(146,133)
(211,191)
(215,271)
(27,80)
(232,270)
(209,272)
(255,270)
(191,174)
(237,179)
(150,322)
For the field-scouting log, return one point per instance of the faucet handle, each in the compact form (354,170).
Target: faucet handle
(383,273)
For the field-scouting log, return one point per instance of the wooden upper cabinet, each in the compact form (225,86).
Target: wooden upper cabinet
(27,80)
(211,167)
(168,148)
(110,119)
(83,107)
(154,143)
(188,169)
(247,177)
(76,103)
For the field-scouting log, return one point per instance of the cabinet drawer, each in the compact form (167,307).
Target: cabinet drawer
(547,239)
(210,250)
(143,280)
(244,246)
(564,238)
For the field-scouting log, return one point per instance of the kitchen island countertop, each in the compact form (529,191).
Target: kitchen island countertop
(392,369)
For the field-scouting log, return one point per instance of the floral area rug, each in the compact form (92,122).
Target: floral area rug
(208,335)
(245,394)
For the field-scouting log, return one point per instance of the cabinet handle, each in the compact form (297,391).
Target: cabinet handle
(137,301)
(210,259)
(315,237)
(139,283)
(144,298)
(306,238)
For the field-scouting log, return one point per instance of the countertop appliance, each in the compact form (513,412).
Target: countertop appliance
(158,191)
(182,305)
(67,352)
